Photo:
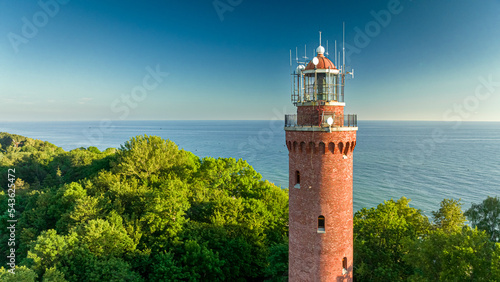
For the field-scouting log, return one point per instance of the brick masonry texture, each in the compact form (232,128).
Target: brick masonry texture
(310,115)
(324,161)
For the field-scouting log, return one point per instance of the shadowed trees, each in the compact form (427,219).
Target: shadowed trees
(486,216)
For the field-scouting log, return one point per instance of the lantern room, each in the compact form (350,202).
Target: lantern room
(319,80)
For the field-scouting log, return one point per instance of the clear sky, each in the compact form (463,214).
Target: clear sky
(229,59)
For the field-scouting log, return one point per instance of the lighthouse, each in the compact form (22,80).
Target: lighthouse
(320,139)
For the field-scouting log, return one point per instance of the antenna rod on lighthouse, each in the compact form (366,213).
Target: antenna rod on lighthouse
(336,54)
(292,75)
(339,61)
(305,52)
(319,38)
(343,47)
(296,55)
(327,48)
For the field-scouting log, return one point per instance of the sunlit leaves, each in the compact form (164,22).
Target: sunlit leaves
(379,237)
(464,255)
(144,156)
(105,239)
(449,217)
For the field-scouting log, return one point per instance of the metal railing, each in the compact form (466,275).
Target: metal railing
(351,120)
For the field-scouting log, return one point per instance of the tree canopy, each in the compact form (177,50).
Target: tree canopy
(395,242)
(380,235)
(148,211)
(486,216)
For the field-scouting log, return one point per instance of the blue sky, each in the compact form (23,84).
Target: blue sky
(229,59)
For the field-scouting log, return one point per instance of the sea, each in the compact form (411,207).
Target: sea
(424,161)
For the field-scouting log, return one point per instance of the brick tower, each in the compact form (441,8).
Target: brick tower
(320,141)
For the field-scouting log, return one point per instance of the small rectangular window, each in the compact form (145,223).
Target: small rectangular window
(321,224)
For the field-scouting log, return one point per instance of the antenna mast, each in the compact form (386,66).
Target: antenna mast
(291,69)
(336,54)
(343,47)
(327,48)
(339,61)
(305,52)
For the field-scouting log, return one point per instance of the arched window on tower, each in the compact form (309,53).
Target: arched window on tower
(344,265)
(297,179)
(321,224)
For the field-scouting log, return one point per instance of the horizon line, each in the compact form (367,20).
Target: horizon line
(110,120)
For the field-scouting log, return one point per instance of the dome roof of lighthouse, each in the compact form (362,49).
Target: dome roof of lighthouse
(323,62)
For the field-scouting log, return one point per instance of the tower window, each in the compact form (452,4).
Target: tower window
(344,266)
(297,179)
(321,224)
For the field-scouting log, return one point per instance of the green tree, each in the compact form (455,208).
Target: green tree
(164,209)
(110,269)
(464,255)
(53,275)
(201,263)
(495,262)
(105,239)
(93,149)
(22,274)
(83,210)
(380,238)
(164,265)
(50,250)
(486,216)
(449,217)
(143,156)
(277,268)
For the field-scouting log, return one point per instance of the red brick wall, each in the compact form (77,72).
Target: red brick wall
(325,189)
(310,115)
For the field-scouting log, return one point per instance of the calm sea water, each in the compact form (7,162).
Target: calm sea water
(423,161)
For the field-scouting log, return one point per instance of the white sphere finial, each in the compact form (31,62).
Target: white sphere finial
(320,50)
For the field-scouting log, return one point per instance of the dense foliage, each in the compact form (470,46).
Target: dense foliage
(380,235)
(486,216)
(151,212)
(145,212)
(395,242)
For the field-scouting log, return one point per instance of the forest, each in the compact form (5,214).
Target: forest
(149,211)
